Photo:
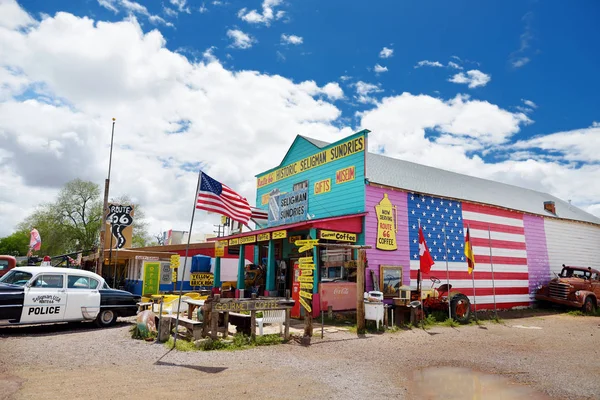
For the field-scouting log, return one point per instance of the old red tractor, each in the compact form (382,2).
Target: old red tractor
(437,300)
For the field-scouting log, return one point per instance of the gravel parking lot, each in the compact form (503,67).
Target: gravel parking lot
(536,356)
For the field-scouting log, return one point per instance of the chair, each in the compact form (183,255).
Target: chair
(170,305)
(271,317)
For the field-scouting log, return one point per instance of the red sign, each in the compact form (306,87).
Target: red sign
(339,295)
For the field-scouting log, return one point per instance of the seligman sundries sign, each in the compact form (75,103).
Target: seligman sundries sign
(288,208)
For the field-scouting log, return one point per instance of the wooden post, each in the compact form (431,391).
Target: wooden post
(214,319)
(286,333)
(360,289)
(207,315)
(226,323)
(253,325)
(308,325)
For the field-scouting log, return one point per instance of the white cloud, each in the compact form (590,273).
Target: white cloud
(427,63)
(333,91)
(265,17)
(474,78)
(240,39)
(452,64)
(291,39)
(529,103)
(596,124)
(519,58)
(379,69)
(386,53)
(133,8)
(345,78)
(582,145)
(364,90)
(519,62)
(181,5)
(203,8)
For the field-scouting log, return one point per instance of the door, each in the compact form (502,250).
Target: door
(84,298)
(45,299)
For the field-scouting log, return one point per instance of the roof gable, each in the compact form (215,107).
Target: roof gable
(300,148)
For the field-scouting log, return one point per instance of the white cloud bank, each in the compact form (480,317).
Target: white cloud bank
(174,116)
(265,17)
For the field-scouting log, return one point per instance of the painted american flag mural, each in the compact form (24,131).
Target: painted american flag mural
(508,244)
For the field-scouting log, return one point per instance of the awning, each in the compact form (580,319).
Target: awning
(346,223)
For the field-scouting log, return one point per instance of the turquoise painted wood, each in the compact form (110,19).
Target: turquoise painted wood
(299,149)
(342,199)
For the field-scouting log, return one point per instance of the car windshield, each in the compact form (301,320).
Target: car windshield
(19,278)
(574,273)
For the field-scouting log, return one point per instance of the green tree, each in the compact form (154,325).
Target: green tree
(16,244)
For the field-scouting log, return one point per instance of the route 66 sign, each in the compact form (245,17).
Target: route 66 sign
(120,218)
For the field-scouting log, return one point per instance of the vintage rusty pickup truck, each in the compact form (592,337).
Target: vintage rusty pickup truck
(574,287)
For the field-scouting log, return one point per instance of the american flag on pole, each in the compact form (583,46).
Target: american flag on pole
(216,197)
(508,248)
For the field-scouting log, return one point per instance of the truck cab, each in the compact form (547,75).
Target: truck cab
(6,264)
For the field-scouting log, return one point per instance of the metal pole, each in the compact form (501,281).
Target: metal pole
(492,265)
(447,273)
(115,272)
(100,262)
(187,248)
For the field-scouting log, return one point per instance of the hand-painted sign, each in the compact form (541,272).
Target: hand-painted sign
(248,239)
(261,237)
(345,175)
(279,235)
(288,207)
(234,242)
(306,244)
(339,236)
(323,186)
(345,149)
(120,218)
(220,248)
(151,275)
(165,273)
(201,279)
(248,305)
(306,266)
(386,224)
(175,261)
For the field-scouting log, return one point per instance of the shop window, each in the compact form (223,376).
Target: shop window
(300,185)
(337,264)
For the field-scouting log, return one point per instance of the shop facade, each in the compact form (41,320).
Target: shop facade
(339,193)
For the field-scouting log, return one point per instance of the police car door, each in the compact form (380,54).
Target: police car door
(45,299)
(84,298)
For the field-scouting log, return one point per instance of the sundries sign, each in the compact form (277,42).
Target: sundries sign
(342,150)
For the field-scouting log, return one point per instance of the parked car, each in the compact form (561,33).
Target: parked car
(6,264)
(39,295)
(574,287)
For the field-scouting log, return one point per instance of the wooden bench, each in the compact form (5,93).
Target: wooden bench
(193,327)
(144,306)
(242,322)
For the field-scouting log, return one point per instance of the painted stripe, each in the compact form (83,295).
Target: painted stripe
(458,283)
(502,306)
(497,244)
(492,219)
(11,305)
(496,252)
(473,224)
(454,266)
(498,259)
(479,275)
(511,298)
(500,291)
(491,211)
(510,237)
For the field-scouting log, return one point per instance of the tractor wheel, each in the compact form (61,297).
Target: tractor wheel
(461,308)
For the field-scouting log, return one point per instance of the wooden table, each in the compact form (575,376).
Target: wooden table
(192,305)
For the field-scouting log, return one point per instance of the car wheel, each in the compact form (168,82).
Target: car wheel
(106,318)
(461,308)
(589,306)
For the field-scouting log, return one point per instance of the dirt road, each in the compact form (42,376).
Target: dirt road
(539,357)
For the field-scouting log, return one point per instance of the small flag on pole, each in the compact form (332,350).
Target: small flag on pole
(469,252)
(214,196)
(35,241)
(424,255)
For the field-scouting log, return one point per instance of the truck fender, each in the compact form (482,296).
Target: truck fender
(583,294)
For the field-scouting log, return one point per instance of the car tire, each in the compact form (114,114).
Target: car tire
(589,305)
(460,307)
(106,318)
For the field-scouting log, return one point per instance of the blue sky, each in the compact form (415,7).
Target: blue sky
(501,90)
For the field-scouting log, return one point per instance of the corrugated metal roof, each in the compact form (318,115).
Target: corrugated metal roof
(434,181)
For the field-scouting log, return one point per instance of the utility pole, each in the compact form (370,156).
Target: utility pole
(100,260)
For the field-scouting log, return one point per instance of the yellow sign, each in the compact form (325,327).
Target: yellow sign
(308,286)
(323,186)
(307,295)
(339,236)
(348,148)
(174,276)
(386,224)
(306,266)
(307,279)
(306,244)
(220,248)
(175,261)
(345,175)
(261,237)
(201,279)
(264,199)
(234,242)
(223,219)
(303,260)
(292,239)
(305,305)
(248,239)
(307,271)
(279,235)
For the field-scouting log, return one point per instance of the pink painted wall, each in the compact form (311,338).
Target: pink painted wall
(375,257)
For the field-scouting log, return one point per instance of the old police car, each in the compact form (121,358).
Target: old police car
(40,295)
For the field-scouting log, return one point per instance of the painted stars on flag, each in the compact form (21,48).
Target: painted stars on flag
(435,215)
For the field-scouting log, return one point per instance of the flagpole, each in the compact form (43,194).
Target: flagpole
(187,248)
(472,276)
(492,265)
(447,274)
(419,288)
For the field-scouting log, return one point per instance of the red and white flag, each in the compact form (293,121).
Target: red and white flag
(424,256)
(35,240)
(213,196)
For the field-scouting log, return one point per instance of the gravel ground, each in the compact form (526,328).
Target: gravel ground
(537,356)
